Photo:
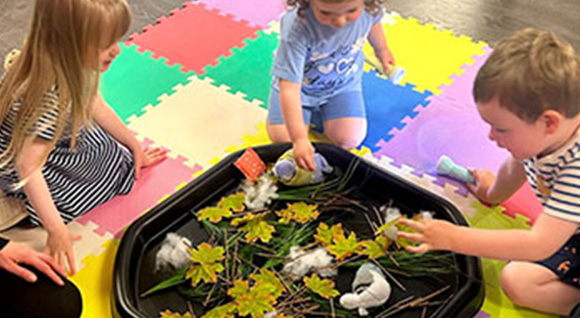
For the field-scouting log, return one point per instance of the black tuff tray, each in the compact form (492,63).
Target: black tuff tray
(135,261)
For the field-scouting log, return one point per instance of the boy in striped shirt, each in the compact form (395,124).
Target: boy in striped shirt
(528,91)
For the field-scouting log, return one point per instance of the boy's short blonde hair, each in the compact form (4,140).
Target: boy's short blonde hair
(371,6)
(530,72)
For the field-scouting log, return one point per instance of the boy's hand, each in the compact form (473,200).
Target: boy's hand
(304,154)
(14,254)
(145,157)
(431,235)
(59,245)
(481,189)
(386,58)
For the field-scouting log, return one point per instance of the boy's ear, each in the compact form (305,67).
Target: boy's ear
(552,120)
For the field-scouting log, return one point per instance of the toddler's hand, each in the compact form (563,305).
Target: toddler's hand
(304,154)
(387,59)
(145,157)
(431,234)
(484,180)
(59,245)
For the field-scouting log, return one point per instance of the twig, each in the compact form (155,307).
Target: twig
(332,308)
(412,303)
(434,314)
(379,216)
(190,307)
(373,226)
(389,274)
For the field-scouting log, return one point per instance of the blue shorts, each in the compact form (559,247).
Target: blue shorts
(341,105)
(565,263)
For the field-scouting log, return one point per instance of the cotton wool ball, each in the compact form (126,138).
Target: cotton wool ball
(173,253)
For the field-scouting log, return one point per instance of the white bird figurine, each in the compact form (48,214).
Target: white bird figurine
(370,289)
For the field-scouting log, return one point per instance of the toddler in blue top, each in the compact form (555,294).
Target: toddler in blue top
(319,64)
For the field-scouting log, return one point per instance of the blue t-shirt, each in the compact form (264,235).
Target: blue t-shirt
(324,59)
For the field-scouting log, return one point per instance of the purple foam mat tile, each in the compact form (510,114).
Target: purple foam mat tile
(447,128)
(462,85)
(257,12)
(481,314)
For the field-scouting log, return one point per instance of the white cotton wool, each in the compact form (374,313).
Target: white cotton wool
(391,214)
(304,262)
(173,253)
(260,193)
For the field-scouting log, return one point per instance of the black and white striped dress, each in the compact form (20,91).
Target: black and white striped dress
(98,169)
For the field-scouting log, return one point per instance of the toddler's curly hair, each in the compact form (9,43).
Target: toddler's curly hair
(371,6)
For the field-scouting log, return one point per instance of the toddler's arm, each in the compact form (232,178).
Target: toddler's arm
(298,131)
(59,241)
(379,43)
(545,238)
(494,190)
(106,117)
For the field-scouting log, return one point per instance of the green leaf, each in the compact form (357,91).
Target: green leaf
(205,253)
(299,212)
(205,267)
(323,287)
(268,278)
(224,311)
(234,202)
(169,314)
(324,235)
(386,226)
(255,301)
(177,279)
(214,214)
(255,228)
(203,272)
(343,247)
(375,249)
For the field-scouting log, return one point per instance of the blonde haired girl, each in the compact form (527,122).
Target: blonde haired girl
(63,150)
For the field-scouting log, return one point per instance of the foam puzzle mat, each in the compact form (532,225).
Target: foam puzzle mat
(197,84)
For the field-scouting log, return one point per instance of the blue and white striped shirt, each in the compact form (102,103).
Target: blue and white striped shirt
(556,180)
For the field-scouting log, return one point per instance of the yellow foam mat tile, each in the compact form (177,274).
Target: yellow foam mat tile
(89,244)
(496,303)
(428,55)
(95,282)
(199,121)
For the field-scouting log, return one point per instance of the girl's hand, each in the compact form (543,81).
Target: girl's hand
(484,180)
(386,58)
(431,235)
(304,154)
(14,254)
(59,245)
(145,157)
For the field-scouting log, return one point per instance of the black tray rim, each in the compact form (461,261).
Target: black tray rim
(123,257)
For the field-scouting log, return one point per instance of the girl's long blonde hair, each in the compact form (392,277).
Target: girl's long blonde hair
(61,50)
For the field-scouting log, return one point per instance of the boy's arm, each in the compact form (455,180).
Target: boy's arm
(545,238)
(379,43)
(292,111)
(59,241)
(494,190)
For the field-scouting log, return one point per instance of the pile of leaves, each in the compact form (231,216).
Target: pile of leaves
(237,272)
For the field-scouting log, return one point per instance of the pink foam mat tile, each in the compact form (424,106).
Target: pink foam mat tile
(257,12)
(193,36)
(443,128)
(154,184)
(523,202)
